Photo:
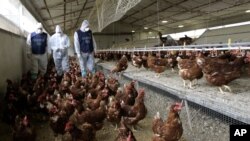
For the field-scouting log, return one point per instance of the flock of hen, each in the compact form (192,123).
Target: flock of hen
(77,107)
(218,67)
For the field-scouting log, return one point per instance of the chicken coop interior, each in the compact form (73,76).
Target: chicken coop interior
(163,70)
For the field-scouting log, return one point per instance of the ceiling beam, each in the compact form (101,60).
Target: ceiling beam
(148,23)
(214,23)
(182,7)
(177,5)
(154,22)
(72,12)
(32,9)
(57,4)
(208,13)
(199,12)
(69,20)
(83,7)
(64,14)
(138,11)
(171,17)
(157,12)
(112,34)
(49,12)
(175,21)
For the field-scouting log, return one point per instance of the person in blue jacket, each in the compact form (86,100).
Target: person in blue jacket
(37,42)
(85,47)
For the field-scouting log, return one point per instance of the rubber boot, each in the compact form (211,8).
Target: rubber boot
(33,76)
(93,71)
(84,73)
(59,78)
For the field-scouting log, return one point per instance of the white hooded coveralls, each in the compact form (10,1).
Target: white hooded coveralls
(59,43)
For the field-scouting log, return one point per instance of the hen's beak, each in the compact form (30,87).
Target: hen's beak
(134,81)
(67,128)
(179,105)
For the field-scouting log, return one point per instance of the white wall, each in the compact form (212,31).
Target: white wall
(237,34)
(144,35)
(13,58)
(106,41)
(71,50)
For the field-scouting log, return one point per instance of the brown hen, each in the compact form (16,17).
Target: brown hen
(112,84)
(171,129)
(157,123)
(144,61)
(23,131)
(159,66)
(85,133)
(137,61)
(133,114)
(221,72)
(125,134)
(121,65)
(114,112)
(189,70)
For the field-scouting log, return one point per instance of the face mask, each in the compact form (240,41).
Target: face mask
(59,33)
(86,29)
(39,31)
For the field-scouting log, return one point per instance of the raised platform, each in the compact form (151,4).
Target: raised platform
(235,105)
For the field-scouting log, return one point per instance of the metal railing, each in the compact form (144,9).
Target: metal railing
(202,47)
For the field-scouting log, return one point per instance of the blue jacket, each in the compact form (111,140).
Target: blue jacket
(86,41)
(38,43)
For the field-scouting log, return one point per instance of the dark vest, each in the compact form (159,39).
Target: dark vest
(86,41)
(38,43)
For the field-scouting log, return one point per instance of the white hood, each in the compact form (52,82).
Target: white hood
(85,24)
(39,28)
(58,29)
(39,25)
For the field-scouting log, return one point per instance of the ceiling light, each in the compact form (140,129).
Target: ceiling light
(145,27)
(247,11)
(133,31)
(164,21)
(149,32)
(180,26)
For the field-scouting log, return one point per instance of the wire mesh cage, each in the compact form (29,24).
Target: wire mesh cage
(200,122)
(107,11)
(206,124)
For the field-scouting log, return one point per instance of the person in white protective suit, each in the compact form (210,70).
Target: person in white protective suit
(37,42)
(85,46)
(59,43)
